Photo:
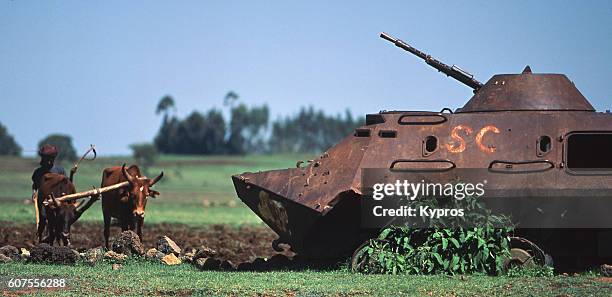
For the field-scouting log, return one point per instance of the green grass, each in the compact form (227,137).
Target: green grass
(189,183)
(138,278)
(194,215)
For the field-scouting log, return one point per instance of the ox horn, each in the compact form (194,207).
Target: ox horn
(156,179)
(127,175)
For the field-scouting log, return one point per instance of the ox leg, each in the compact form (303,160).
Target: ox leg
(139,223)
(65,233)
(107,222)
(51,222)
(126,224)
(42,220)
(50,239)
(41,229)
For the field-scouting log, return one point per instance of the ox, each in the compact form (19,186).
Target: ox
(59,215)
(126,204)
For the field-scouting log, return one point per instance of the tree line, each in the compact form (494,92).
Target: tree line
(248,129)
(8,145)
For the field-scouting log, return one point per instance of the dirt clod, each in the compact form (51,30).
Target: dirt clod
(128,243)
(237,244)
(5,259)
(259,264)
(208,263)
(10,251)
(205,252)
(245,266)
(188,257)
(227,265)
(92,256)
(606,270)
(167,246)
(44,253)
(278,261)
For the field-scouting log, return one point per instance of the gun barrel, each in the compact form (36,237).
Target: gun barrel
(452,71)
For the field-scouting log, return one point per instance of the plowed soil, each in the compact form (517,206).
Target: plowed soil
(237,244)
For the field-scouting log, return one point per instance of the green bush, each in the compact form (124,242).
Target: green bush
(145,154)
(431,251)
(451,249)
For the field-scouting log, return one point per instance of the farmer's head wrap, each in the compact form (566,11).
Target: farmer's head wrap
(48,151)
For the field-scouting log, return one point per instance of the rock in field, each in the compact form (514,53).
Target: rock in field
(92,256)
(153,254)
(188,257)
(25,254)
(117,266)
(170,259)
(77,255)
(115,257)
(167,246)
(128,244)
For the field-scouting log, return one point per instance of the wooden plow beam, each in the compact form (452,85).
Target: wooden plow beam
(80,195)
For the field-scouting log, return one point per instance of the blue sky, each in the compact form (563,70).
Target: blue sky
(96,70)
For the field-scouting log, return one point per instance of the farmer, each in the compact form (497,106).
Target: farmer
(47,154)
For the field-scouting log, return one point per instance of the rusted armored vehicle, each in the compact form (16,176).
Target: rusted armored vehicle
(534,130)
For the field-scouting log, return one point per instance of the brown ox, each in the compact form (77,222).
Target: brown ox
(59,215)
(126,204)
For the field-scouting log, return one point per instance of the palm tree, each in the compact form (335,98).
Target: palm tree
(165,105)
(230,98)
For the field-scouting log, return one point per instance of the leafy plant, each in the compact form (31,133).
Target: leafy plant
(451,248)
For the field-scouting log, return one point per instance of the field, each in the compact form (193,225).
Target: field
(198,206)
